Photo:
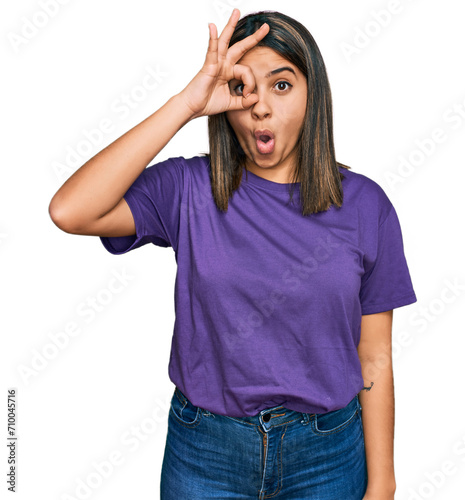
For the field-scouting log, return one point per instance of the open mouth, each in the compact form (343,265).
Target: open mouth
(264,141)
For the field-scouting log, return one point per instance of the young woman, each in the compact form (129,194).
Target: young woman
(289,266)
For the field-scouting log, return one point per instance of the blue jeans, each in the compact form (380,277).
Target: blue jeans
(279,453)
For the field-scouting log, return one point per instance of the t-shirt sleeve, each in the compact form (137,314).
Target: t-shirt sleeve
(155,200)
(386,282)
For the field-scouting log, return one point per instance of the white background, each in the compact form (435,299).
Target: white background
(108,389)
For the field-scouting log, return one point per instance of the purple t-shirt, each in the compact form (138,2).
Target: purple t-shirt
(268,302)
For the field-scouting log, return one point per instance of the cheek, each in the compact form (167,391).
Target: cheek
(292,117)
(240,130)
(291,125)
(237,121)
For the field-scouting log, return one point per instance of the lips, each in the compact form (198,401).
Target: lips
(265,141)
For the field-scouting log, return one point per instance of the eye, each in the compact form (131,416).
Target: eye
(236,88)
(282,86)
(282,83)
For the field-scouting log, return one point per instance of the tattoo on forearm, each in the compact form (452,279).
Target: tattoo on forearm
(368,388)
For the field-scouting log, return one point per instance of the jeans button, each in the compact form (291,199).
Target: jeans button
(266,417)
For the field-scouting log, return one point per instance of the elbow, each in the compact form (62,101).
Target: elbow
(375,362)
(375,368)
(61,218)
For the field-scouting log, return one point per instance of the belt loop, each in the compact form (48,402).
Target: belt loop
(306,418)
(180,395)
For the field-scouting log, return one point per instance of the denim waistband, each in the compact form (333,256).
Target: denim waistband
(279,415)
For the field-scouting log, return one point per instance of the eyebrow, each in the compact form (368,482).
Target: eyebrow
(279,70)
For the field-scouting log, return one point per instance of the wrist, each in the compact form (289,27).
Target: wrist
(182,102)
(381,490)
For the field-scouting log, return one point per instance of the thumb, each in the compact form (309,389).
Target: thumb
(242,102)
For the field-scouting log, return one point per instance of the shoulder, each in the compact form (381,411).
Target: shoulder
(195,166)
(195,162)
(177,169)
(366,193)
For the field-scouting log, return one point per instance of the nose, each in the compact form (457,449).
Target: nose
(261,109)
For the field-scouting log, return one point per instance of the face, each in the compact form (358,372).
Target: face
(269,129)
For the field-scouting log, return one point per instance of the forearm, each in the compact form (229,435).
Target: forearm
(96,187)
(377,401)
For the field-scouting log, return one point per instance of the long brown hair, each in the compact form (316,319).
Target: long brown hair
(316,166)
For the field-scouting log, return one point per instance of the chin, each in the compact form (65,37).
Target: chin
(265,165)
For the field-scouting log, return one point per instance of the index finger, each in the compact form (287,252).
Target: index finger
(237,50)
(226,34)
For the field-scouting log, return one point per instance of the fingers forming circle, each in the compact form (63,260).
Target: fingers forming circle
(236,51)
(226,34)
(212,52)
(245,75)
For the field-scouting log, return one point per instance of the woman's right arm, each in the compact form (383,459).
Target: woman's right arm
(91,201)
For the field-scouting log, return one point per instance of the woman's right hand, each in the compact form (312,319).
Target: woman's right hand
(208,93)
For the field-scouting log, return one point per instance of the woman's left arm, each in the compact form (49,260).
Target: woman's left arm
(377,401)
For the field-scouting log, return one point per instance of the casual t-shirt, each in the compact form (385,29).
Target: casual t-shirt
(268,302)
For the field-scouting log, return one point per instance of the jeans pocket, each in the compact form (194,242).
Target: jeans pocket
(184,411)
(337,420)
